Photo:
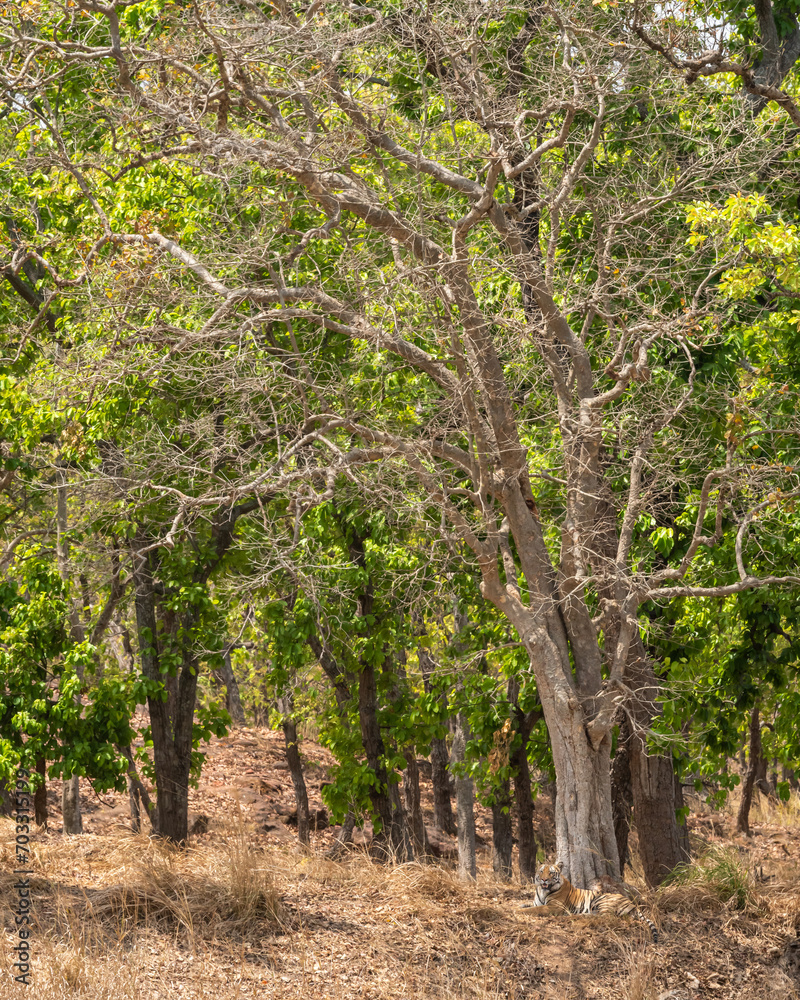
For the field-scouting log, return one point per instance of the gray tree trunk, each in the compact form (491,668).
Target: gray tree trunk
(289,726)
(465,799)
(70,793)
(413,805)
(233,700)
(440,776)
(71,806)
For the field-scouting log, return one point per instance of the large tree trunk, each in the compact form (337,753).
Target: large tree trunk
(440,775)
(502,836)
(465,799)
(755,766)
(233,702)
(289,726)
(523,790)
(652,781)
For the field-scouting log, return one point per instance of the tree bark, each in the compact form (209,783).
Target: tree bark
(40,795)
(652,780)
(171,721)
(440,776)
(413,805)
(754,768)
(72,821)
(289,726)
(502,836)
(137,794)
(622,793)
(523,793)
(465,799)
(683,826)
(391,838)
(8,800)
(233,701)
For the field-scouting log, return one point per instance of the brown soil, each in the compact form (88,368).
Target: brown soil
(245,913)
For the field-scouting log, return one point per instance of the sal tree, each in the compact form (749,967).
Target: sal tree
(488,208)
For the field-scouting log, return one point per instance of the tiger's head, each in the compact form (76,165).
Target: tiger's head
(549,877)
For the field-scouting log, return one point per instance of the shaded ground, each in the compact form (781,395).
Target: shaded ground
(245,914)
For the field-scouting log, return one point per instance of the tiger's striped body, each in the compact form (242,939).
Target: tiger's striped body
(552,889)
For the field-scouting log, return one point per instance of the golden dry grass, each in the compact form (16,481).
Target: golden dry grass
(126,918)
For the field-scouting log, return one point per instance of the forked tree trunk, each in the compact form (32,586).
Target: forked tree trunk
(502,836)
(289,726)
(465,808)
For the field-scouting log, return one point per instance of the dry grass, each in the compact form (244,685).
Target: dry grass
(125,918)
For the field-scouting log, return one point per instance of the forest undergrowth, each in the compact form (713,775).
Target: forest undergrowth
(243,913)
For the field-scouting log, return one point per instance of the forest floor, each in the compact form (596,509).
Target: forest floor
(244,913)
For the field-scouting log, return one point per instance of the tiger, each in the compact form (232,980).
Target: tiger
(552,889)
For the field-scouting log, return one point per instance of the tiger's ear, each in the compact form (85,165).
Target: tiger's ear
(559,865)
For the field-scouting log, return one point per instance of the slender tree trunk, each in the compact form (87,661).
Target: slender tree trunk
(683,826)
(413,805)
(345,836)
(71,806)
(523,792)
(502,837)
(754,766)
(440,775)
(465,798)
(392,836)
(289,726)
(622,792)
(233,702)
(40,795)
(137,794)
(72,821)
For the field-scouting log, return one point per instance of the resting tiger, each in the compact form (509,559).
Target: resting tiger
(552,889)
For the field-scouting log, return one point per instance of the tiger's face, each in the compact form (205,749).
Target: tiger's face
(549,876)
